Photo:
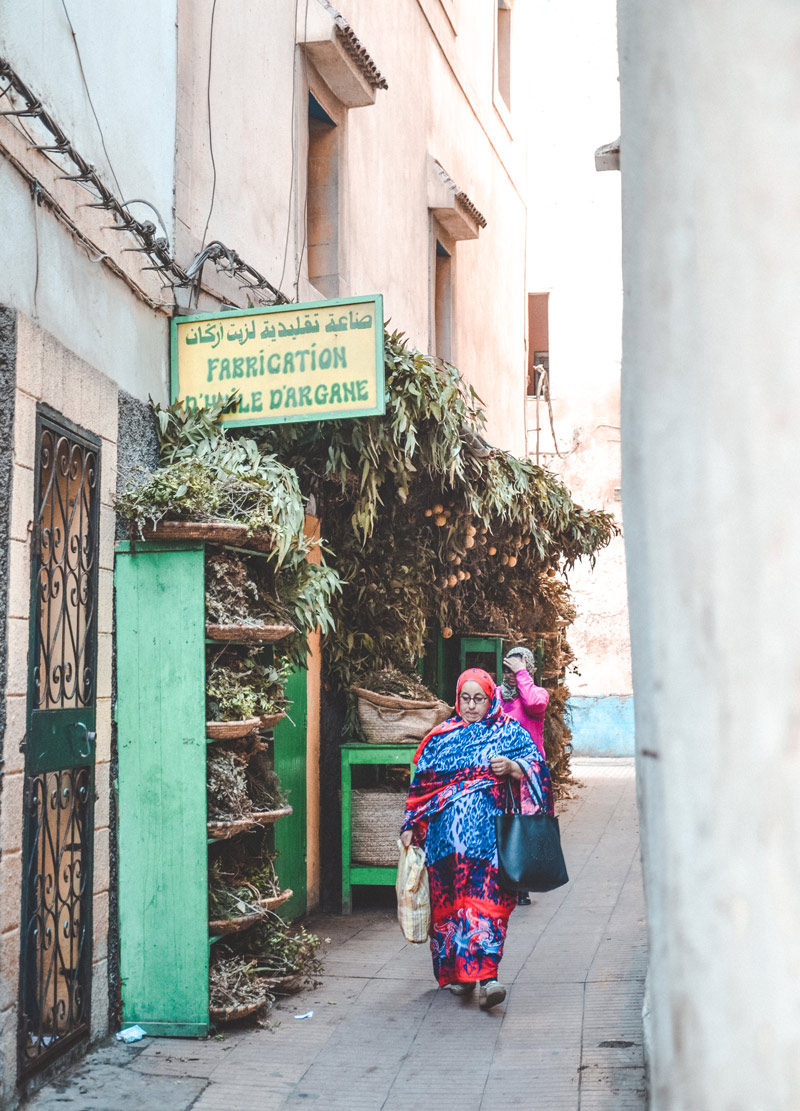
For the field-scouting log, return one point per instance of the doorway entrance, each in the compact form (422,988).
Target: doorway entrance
(56,933)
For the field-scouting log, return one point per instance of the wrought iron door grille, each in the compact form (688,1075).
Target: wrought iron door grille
(56,1010)
(56,942)
(66,534)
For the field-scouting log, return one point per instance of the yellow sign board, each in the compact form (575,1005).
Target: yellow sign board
(317,361)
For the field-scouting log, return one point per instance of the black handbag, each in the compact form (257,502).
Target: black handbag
(529,846)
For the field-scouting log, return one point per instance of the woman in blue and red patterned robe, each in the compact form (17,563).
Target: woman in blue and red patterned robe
(463,768)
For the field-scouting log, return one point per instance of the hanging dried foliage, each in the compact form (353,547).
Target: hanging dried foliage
(428,532)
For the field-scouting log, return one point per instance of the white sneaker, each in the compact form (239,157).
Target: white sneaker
(462,989)
(491,994)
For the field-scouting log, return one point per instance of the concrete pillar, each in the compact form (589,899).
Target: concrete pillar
(711,489)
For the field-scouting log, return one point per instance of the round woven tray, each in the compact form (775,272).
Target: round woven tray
(223,830)
(232,730)
(264,817)
(276,901)
(283,985)
(255,634)
(218,532)
(222,926)
(268,721)
(230,1014)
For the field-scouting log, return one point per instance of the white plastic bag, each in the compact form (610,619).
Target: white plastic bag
(413,895)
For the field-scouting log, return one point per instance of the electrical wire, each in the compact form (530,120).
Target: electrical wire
(89,96)
(543,390)
(36,192)
(210,135)
(291,180)
(305,204)
(137,200)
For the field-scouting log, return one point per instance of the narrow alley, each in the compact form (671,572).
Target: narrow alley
(569,1035)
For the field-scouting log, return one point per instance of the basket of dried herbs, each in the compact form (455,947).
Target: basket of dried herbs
(240,687)
(286,957)
(236,988)
(226,786)
(395,708)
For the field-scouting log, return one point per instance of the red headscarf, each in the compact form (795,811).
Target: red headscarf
(487,685)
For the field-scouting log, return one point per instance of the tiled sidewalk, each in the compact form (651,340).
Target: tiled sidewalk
(382,1036)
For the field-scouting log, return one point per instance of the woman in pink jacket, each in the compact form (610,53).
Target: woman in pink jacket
(525,702)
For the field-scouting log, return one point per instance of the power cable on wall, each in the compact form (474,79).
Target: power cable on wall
(305,203)
(25,104)
(210,134)
(543,390)
(292,124)
(89,96)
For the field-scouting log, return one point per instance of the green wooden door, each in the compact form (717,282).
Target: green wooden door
(290,764)
(162,835)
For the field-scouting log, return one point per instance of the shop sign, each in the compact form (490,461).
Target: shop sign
(317,361)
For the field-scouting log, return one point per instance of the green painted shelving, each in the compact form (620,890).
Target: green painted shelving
(162,749)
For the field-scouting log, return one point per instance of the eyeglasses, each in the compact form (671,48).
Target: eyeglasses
(473,699)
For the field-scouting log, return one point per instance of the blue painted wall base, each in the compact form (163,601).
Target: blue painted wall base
(602,725)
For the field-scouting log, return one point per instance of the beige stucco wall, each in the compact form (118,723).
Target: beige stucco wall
(711,481)
(47,371)
(574,254)
(439,102)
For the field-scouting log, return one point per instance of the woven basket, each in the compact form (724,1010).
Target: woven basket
(376,816)
(217,532)
(388,719)
(265,817)
(222,831)
(232,730)
(221,926)
(284,985)
(276,901)
(252,634)
(269,721)
(231,1014)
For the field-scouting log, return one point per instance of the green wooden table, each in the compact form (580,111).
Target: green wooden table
(353,874)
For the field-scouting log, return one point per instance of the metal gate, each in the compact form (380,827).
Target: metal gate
(56,935)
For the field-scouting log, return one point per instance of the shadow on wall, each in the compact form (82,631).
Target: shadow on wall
(602,726)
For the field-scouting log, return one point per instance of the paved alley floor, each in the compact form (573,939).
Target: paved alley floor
(383,1038)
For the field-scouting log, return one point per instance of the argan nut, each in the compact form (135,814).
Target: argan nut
(504,559)
(448,512)
(457,560)
(428,512)
(492,550)
(447,632)
(461,575)
(484,530)
(512,561)
(452,580)
(467,575)
(440,520)
(469,542)
(437,509)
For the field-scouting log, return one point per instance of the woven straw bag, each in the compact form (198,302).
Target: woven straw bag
(388,719)
(413,894)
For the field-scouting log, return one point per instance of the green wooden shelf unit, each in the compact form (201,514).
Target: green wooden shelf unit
(162,749)
(355,874)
